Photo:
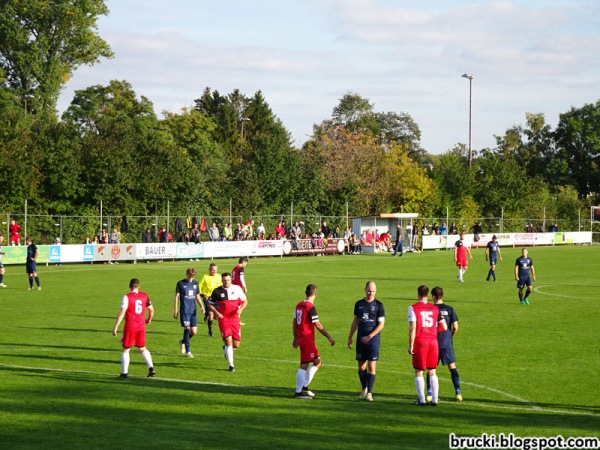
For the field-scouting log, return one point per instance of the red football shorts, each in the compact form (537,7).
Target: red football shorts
(133,337)
(426,354)
(230,327)
(308,350)
(461,262)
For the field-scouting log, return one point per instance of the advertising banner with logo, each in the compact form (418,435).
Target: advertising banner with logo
(189,250)
(231,249)
(18,254)
(155,251)
(114,252)
(305,247)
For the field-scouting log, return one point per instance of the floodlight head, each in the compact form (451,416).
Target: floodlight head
(468,76)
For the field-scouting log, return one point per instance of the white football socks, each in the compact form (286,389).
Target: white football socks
(420,385)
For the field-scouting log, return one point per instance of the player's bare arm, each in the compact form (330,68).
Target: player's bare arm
(295,333)
(200,303)
(242,308)
(150,315)
(412,331)
(324,332)
(120,316)
(217,314)
(176,306)
(352,331)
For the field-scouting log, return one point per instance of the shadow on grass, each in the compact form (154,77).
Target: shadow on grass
(59,409)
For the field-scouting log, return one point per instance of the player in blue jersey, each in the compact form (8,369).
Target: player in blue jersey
(369,318)
(524,274)
(445,341)
(492,252)
(188,292)
(31,265)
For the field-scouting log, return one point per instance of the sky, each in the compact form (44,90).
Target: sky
(525,56)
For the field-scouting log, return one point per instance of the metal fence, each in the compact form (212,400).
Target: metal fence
(44,229)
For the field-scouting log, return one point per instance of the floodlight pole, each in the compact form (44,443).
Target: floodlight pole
(470,78)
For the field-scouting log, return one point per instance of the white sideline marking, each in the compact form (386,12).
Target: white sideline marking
(265,388)
(539,291)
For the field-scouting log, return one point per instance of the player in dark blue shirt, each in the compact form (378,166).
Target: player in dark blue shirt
(445,340)
(31,265)
(524,274)
(492,252)
(369,318)
(188,292)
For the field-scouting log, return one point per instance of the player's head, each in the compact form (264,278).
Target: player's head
(226,279)
(437,293)
(190,273)
(311,290)
(134,284)
(494,238)
(243,260)
(524,252)
(370,289)
(28,240)
(462,234)
(212,269)
(423,291)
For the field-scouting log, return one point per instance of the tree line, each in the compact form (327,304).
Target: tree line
(110,145)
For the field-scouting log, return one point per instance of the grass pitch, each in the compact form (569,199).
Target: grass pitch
(528,370)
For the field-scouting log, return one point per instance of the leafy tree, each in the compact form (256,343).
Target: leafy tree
(578,139)
(453,178)
(42,43)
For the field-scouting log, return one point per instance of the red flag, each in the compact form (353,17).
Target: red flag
(203,225)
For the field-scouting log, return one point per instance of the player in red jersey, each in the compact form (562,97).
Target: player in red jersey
(305,321)
(424,320)
(227,302)
(460,256)
(237,274)
(133,308)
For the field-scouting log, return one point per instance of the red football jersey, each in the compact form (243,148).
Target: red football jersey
(427,317)
(228,300)
(305,316)
(135,316)
(237,276)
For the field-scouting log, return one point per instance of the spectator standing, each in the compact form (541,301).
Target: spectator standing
(399,243)
(133,309)
(326,230)
(115,236)
(260,231)
(146,236)
(15,232)
(213,232)
(453,229)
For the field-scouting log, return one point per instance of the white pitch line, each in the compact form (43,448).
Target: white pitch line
(539,291)
(265,388)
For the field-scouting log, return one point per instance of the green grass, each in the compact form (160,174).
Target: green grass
(531,371)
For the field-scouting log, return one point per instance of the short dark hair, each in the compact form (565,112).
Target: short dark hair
(134,283)
(225,274)
(423,291)
(311,290)
(243,259)
(437,292)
